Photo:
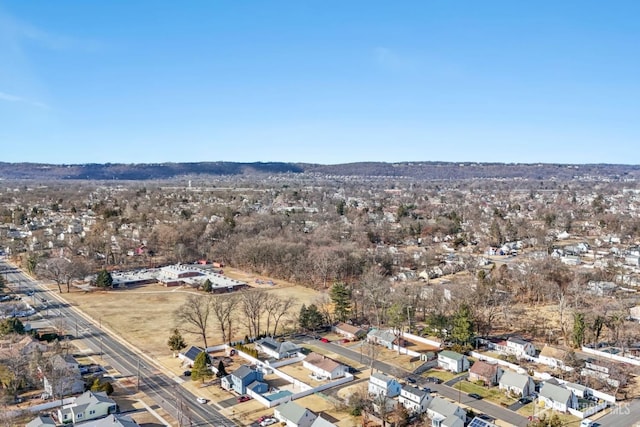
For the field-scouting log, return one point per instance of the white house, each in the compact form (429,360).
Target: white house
(519,347)
(452,361)
(294,415)
(88,406)
(443,413)
(518,384)
(558,398)
(323,367)
(414,400)
(380,384)
(553,357)
(277,349)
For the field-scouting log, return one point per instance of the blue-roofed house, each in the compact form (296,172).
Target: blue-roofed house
(245,378)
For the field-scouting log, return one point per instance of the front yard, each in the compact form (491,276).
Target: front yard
(492,394)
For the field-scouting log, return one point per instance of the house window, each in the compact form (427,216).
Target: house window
(79,416)
(91,412)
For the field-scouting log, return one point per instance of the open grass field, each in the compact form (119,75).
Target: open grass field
(492,394)
(143,315)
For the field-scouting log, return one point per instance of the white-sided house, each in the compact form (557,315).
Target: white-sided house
(88,406)
(443,413)
(518,384)
(520,347)
(321,422)
(452,361)
(294,415)
(414,400)
(553,357)
(323,367)
(110,421)
(382,337)
(380,384)
(558,398)
(42,421)
(68,381)
(277,349)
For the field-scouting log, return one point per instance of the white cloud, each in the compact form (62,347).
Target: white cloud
(13,98)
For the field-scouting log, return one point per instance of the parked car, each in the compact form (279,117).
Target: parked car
(268,422)
(586,423)
(525,400)
(187,373)
(202,400)
(243,398)
(434,380)
(411,380)
(324,339)
(475,395)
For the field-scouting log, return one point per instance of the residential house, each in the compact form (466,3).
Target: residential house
(382,337)
(380,384)
(277,349)
(111,421)
(453,361)
(553,357)
(88,406)
(520,347)
(62,377)
(294,415)
(414,400)
(349,331)
(245,378)
(321,422)
(486,372)
(481,422)
(188,357)
(42,421)
(323,367)
(443,413)
(557,397)
(600,289)
(518,384)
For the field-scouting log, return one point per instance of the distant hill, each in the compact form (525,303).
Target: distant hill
(415,170)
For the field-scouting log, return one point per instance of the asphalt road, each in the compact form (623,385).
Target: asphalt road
(164,390)
(479,406)
(623,414)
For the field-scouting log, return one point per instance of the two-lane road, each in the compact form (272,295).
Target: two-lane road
(163,389)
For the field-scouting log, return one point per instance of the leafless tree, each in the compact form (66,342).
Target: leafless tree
(253,302)
(193,316)
(223,308)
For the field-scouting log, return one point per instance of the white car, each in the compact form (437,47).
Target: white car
(268,422)
(202,400)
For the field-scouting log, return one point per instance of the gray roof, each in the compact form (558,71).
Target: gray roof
(42,421)
(243,371)
(382,335)
(110,421)
(555,393)
(277,346)
(92,397)
(443,407)
(382,377)
(512,379)
(414,391)
(292,411)
(451,355)
(518,340)
(321,422)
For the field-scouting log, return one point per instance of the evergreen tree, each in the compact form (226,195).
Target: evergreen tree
(200,370)
(462,331)
(104,279)
(176,342)
(222,372)
(207,286)
(310,317)
(11,325)
(341,297)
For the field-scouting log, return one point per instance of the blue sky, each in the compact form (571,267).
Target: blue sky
(319,81)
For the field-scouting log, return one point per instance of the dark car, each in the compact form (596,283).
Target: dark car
(411,380)
(525,400)
(187,373)
(434,380)
(475,395)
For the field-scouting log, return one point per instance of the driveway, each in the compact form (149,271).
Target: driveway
(456,380)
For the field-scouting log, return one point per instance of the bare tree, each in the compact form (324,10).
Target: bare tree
(223,308)
(193,315)
(282,308)
(253,302)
